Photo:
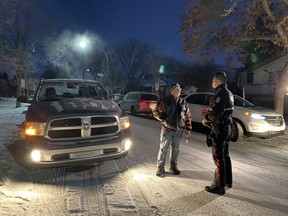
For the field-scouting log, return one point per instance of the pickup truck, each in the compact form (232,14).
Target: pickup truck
(72,121)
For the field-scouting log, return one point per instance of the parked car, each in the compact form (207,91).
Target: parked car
(248,119)
(71,121)
(138,102)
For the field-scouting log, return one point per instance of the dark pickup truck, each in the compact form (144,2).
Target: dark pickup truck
(70,121)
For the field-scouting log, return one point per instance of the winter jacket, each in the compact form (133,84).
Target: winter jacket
(221,107)
(174,114)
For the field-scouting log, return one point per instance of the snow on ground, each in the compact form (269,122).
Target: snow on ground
(47,192)
(10,120)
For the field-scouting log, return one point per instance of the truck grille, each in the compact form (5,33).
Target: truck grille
(275,121)
(83,127)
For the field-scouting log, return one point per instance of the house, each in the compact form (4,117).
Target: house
(157,85)
(259,82)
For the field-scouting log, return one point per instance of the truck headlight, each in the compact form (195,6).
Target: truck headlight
(36,155)
(35,129)
(128,144)
(124,122)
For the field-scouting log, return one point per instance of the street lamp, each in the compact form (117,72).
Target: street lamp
(83,44)
(107,60)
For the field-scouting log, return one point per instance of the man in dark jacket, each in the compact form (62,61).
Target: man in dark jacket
(173,112)
(220,120)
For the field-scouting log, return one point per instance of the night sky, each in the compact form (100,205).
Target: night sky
(152,21)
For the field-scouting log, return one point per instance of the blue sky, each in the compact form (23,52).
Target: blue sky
(152,21)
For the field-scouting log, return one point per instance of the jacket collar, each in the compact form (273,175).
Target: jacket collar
(220,87)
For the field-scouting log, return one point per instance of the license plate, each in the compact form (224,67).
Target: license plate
(86,154)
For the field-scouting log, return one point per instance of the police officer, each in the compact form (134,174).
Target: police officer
(219,119)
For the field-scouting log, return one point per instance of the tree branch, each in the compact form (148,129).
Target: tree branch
(230,10)
(278,27)
(286,2)
(255,37)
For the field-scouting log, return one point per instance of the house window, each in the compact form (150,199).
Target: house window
(250,77)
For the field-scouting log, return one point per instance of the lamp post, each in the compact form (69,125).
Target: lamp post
(107,59)
(83,45)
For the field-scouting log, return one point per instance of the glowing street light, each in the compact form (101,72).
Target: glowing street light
(83,43)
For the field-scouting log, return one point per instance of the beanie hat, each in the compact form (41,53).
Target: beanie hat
(174,85)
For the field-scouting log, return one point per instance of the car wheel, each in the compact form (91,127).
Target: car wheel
(133,111)
(237,132)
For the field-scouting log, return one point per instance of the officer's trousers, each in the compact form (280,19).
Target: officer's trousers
(220,152)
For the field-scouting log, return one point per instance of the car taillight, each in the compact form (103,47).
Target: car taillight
(203,112)
(142,103)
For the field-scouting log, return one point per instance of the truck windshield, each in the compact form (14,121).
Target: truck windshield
(59,90)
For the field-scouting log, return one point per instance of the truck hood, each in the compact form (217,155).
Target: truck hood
(43,110)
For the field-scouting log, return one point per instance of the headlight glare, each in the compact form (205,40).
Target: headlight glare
(124,122)
(257,116)
(128,144)
(36,155)
(35,129)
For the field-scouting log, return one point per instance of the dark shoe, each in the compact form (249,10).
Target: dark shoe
(228,185)
(160,171)
(216,190)
(174,170)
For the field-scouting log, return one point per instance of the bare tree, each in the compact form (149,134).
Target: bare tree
(133,56)
(17,45)
(211,26)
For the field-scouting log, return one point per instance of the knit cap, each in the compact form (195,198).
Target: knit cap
(174,85)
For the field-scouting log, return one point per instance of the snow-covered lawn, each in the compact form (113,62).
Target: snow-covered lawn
(10,120)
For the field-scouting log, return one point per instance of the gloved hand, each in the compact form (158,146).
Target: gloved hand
(209,140)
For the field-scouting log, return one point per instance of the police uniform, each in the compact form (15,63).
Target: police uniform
(219,117)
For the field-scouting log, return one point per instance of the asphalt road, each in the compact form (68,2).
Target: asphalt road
(129,186)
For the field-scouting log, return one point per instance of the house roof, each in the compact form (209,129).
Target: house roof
(261,64)
(156,80)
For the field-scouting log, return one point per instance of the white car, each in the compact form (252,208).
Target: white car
(248,119)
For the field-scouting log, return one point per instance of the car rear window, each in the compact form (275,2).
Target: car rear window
(149,97)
